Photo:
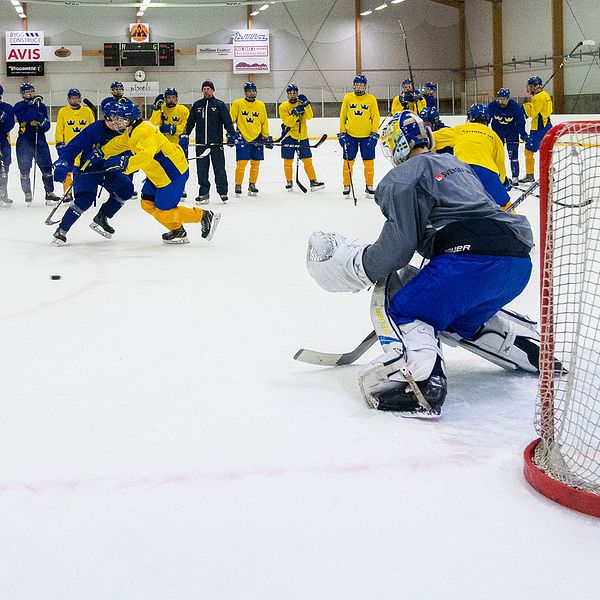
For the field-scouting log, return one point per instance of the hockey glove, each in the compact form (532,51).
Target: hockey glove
(44,124)
(184,142)
(407,98)
(60,146)
(303,99)
(343,140)
(507,184)
(116,163)
(168,129)
(232,139)
(336,264)
(94,156)
(61,168)
(372,140)
(268,142)
(298,110)
(37,99)
(158,102)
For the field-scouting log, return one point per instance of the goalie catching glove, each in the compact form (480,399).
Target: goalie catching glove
(336,264)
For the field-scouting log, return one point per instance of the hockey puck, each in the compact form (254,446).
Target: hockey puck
(55,277)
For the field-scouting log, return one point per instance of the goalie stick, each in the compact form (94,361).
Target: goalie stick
(327,359)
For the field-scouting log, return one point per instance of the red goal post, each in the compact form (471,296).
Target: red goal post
(564,462)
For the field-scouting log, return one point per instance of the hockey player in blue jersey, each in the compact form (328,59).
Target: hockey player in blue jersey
(117,94)
(7,122)
(32,115)
(79,157)
(508,121)
(479,261)
(429,90)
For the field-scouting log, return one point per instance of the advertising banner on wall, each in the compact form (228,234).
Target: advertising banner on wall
(251,52)
(24,45)
(61,53)
(214,52)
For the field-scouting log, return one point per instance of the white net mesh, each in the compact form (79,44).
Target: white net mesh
(568,416)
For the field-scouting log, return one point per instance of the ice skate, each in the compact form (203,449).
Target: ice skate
(316,185)
(238,191)
(224,198)
(289,186)
(203,199)
(28,198)
(369,192)
(52,199)
(527,179)
(59,237)
(346,191)
(5,201)
(252,190)
(209,224)
(100,225)
(176,236)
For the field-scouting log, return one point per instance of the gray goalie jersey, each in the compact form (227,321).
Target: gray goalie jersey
(428,193)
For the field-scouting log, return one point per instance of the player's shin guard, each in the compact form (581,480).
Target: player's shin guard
(288,168)
(240,168)
(529,162)
(309,169)
(508,339)
(254,166)
(347,171)
(369,170)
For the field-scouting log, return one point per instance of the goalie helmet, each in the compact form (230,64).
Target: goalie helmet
(503,93)
(478,113)
(534,81)
(403,133)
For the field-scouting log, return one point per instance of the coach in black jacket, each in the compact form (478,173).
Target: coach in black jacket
(209,116)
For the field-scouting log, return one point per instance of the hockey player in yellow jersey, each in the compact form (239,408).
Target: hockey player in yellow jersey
(71,119)
(408,99)
(538,108)
(171,117)
(249,115)
(294,113)
(166,170)
(477,145)
(359,122)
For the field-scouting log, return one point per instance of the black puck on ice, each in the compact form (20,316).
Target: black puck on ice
(55,277)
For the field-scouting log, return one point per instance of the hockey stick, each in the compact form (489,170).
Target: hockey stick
(410,72)
(528,192)
(347,160)
(562,64)
(327,359)
(298,182)
(203,155)
(92,107)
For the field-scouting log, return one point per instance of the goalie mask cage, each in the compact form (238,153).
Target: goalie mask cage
(564,463)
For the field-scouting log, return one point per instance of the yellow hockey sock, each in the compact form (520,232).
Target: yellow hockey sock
(309,169)
(529,162)
(369,168)
(347,171)
(254,166)
(288,169)
(240,168)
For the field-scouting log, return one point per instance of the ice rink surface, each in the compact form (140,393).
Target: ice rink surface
(158,442)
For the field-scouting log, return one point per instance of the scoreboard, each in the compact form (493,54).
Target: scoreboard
(147,54)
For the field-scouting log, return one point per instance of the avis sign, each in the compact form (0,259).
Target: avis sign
(24,46)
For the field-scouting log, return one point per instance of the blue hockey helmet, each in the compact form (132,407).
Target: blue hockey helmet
(73,92)
(127,110)
(359,79)
(249,85)
(535,81)
(26,87)
(407,82)
(503,93)
(430,86)
(109,108)
(116,85)
(478,113)
(171,92)
(430,114)
(292,87)
(403,133)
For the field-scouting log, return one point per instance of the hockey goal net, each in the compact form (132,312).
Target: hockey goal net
(564,463)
